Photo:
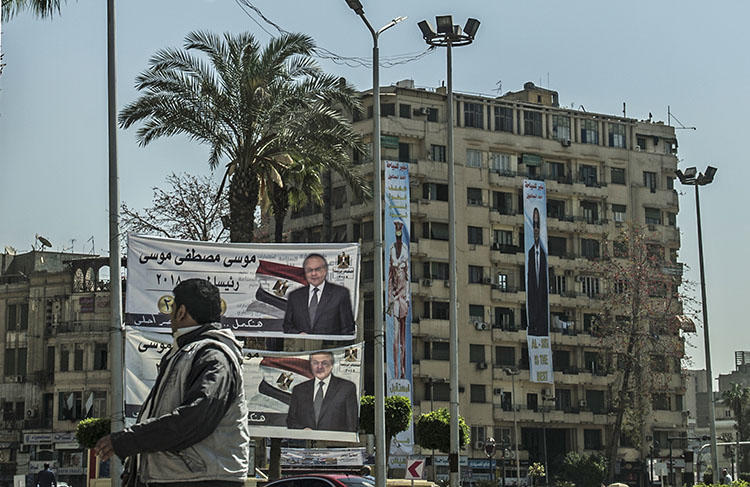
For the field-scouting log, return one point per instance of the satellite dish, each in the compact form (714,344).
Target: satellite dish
(10,250)
(43,241)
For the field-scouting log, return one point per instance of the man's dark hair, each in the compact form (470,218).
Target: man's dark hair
(201,299)
(46,466)
(325,262)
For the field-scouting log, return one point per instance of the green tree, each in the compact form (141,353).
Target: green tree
(433,430)
(737,398)
(584,470)
(261,111)
(397,416)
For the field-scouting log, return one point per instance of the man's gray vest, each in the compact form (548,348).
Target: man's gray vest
(223,455)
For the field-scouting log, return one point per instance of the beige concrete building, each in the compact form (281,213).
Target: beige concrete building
(601,171)
(54,320)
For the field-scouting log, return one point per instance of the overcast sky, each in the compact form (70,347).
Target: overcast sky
(684,54)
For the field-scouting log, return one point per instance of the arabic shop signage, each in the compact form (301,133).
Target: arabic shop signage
(48,438)
(389,141)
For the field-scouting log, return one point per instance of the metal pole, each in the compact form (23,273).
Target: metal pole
(709,375)
(515,431)
(671,463)
(115,284)
(544,442)
(651,478)
(454,433)
(380,446)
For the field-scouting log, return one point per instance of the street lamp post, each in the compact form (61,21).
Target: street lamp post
(380,446)
(489,450)
(513,373)
(449,35)
(692,177)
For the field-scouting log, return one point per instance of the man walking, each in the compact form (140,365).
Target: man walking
(46,477)
(192,428)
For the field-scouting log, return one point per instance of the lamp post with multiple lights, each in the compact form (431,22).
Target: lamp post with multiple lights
(513,372)
(379,328)
(449,35)
(691,177)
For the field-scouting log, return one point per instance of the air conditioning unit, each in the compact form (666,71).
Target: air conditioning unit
(488,280)
(565,142)
(497,391)
(481,326)
(427,282)
(420,112)
(447,283)
(582,404)
(32,413)
(481,365)
(638,148)
(546,393)
(479,445)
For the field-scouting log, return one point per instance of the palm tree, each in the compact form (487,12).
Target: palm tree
(737,398)
(40,8)
(262,110)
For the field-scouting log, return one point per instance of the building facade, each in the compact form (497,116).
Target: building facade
(54,321)
(601,172)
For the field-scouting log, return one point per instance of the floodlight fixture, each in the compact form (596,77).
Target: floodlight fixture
(444,24)
(471,27)
(708,176)
(356,5)
(427,31)
(690,172)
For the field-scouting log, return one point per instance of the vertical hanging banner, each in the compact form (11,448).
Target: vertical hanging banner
(537,280)
(398,292)
(265,288)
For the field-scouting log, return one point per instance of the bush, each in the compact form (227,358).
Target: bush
(433,431)
(90,430)
(584,470)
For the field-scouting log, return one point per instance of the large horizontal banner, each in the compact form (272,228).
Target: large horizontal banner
(283,391)
(274,290)
(321,457)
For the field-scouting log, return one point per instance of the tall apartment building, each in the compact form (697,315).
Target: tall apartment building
(54,322)
(601,171)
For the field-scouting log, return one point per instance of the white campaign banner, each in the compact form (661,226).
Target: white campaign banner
(279,387)
(263,286)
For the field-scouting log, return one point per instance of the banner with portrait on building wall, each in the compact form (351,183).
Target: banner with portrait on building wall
(398,292)
(272,290)
(282,389)
(537,281)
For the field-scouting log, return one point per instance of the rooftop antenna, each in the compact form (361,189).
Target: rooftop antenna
(499,89)
(670,116)
(92,244)
(43,242)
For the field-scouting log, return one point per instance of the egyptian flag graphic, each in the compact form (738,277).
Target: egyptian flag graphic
(281,374)
(273,283)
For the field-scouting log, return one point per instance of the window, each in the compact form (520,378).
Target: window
(641,141)
(99,405)
(478,434)
(435,191)
(556,171)
(563,399)
(595,400)
(404,110)
(558,246)
(437,391)
(670,183)
(653,216)
(474,196)
(437,350)
(437,310)
(435,230)
(476,312)
(478,393)
(473,158)
(560,127)
(617,135)
(10,362)
(555,209)
(620,248)
(618,175)
(502,202)
(473,115)
(17,316)
(500,162)
(590,212)
(649,180)
(592,439)
(501,282)
(589,132)
(590,248)
(432,114)
(69,406)
(64,358)
(589,322)
(560,282)
(404,151)
(100,356)
(618,213)
(504,319)
(339,234)
(504,119)
(505,356)
(338,197)
(368,270)
(661,402)
(532,123)
(503,237)
(387,109)
(532,401)
(590,286)
(78,357)
(436,270)
(475,235)
(476,353)
(671,218)
(476,274)
(560,360)
(437,153)
(588,175)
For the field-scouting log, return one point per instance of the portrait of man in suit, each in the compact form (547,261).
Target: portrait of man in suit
(325,402)
(537,308)
(321,307)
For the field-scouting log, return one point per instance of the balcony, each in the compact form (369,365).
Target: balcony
(431,328)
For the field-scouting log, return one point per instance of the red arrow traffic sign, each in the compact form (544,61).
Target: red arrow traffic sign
(414,469)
